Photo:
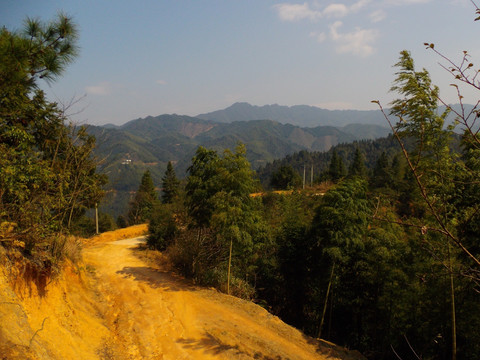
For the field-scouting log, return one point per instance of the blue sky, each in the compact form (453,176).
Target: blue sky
(141,58)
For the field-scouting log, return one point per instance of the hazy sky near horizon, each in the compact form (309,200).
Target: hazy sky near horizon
(151,57)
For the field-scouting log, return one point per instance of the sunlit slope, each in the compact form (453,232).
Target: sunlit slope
(120,307)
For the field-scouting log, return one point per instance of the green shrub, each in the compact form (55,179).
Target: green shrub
(162,228)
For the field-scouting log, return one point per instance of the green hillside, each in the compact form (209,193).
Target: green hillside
(127,151)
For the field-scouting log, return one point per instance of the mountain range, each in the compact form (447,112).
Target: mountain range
(300,115)
(150,143)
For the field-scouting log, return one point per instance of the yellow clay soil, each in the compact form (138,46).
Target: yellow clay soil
(121,306)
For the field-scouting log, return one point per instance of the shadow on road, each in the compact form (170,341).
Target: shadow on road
(329,349)
(214,346)
(156,279)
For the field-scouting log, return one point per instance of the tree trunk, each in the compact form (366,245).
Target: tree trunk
(326,301)
(452,304)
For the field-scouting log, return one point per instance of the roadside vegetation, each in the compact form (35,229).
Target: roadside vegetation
(48,173)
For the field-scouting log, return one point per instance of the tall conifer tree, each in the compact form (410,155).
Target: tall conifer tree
(336,169)
(141,207)
(170,185)
(357,168)
(382,173)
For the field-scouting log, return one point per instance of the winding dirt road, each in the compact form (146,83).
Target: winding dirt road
(154,314)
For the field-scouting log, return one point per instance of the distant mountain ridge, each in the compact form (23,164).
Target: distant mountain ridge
(300,115)
(151,127)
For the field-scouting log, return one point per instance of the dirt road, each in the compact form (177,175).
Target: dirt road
(154,314)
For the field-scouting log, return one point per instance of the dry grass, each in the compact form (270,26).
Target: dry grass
(72,249)
(125,233)
(278,192)
(317,189)
(154,258)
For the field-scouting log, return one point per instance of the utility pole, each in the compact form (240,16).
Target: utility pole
(303,176)
(96,218)
(229,266)
(311,177)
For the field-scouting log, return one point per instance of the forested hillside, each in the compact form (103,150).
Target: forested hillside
(174,138)
(150,143)
(320,160)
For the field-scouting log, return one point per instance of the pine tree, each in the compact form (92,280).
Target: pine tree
(143,204)
(336,169)
(202,185)
(357,168)
(170,185)
(398,169)
(382,174)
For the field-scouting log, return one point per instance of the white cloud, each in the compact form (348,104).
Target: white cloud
(378,16)
(359,5)
(102,89)
(358,42)
(295,12)
(320,37)
(336,10)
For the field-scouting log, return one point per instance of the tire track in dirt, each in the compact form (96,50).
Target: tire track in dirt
(155,314)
